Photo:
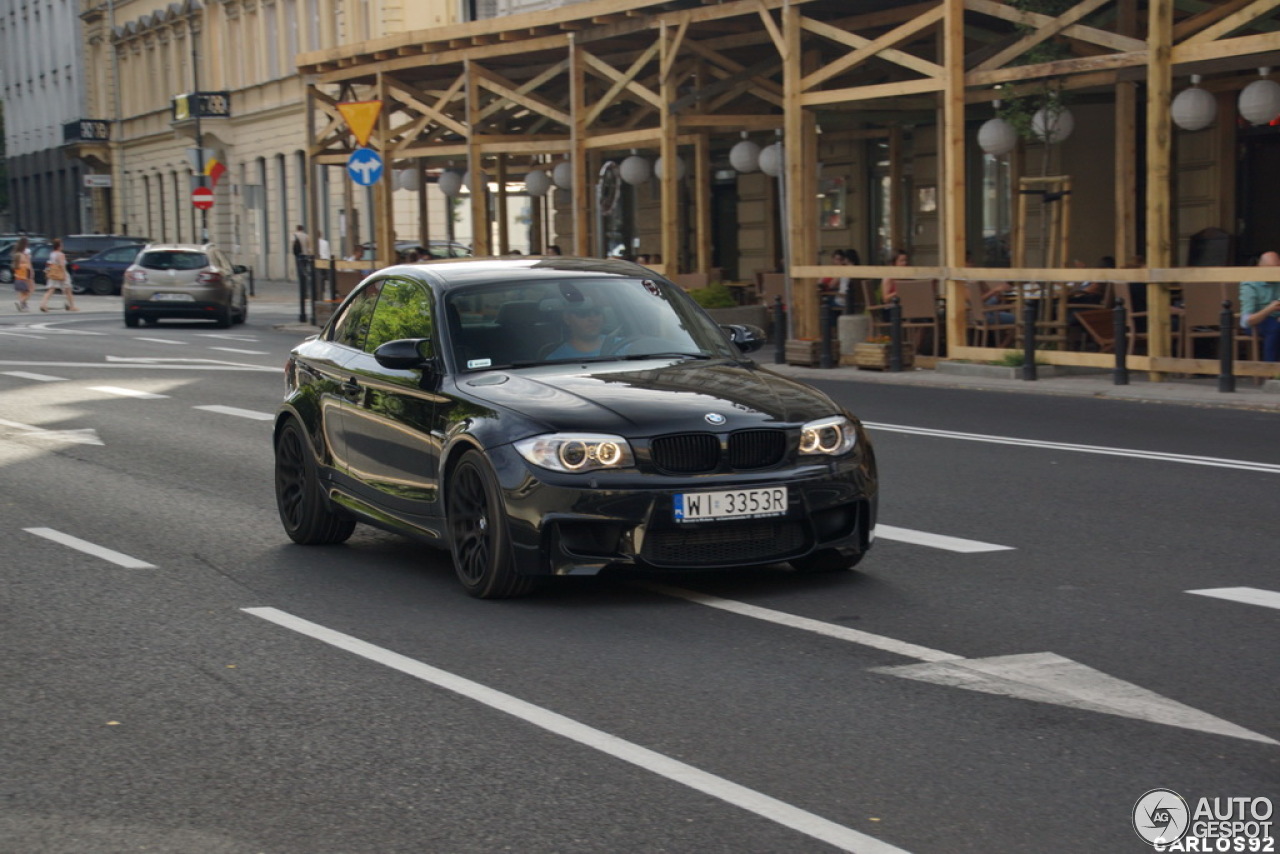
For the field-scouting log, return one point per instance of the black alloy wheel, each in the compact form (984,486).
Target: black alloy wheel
(102,285)
(478,533)
(305,511)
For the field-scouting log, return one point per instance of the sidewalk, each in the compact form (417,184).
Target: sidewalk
(1197,391)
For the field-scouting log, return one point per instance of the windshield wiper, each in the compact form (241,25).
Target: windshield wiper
(636,356)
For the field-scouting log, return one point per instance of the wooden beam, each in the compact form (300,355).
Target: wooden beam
(866,93)
(1042,33)
(853,40)
(623,81)
(1076,31)
(953,167)
(581,191)
(384,219)
(873,48)
(702,200)
(1233,22)
(1213,12)
(481,239)
(1056,69)
(513,93)
(1238,46)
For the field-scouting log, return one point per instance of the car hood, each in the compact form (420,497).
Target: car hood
(658,396)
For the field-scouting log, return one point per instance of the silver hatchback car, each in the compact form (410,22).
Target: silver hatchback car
(184,280)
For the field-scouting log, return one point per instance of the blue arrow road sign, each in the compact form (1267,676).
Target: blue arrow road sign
(365,167)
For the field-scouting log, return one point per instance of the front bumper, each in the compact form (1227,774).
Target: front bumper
(582,524)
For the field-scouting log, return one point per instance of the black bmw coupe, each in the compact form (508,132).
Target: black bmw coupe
(562,416)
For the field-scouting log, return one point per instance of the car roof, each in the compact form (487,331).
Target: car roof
(179,247)
(459,272)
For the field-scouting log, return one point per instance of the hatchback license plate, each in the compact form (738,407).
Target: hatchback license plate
(173,297)
(730,504)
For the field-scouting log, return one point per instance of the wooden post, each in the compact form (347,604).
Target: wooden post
(424,230)
(702,199)
(800,145)
(481,238)
(669,211)
(953,171)
(1159,173)
(1126,148)
(897,204)
(384,224)
(578,148)
(504,239)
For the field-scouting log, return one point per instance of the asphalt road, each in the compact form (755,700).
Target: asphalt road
(1016,663)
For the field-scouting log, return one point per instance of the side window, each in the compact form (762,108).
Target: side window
(403,311)
(122,253)
(352,325)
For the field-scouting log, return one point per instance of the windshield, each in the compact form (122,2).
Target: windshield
(522,323)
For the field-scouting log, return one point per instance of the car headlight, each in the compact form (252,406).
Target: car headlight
(832,436)
(575,452)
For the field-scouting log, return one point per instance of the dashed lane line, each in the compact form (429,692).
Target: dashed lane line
(239,413)
(1158,456)
(127,392)
(242,352)
(1247,595)
(780,812)
(936,541)
(90,548)
(28,375)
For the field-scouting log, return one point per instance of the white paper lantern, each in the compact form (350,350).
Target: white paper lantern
(1260,101)
(406,179)
(1053,125)
(562,175)
(537,183)
(1194,108)
(635,169)
(681,169)
(997,137)
(745,156)
(466,180)
(450,182)
(772,158)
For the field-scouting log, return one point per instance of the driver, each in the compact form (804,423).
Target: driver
(584,333)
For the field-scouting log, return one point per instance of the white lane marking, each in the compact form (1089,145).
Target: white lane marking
(90,548)
(228,336)
(241,413)
(909,650)
(154,364)
(82,436)
(159,340)
(1216,462)
(27,375)
(242,352)
(21,335)
(127,392)
(787,815)
(1042,676)
(1247,595)
(936,541)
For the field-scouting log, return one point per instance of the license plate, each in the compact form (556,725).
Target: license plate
(730,504)
(173,297)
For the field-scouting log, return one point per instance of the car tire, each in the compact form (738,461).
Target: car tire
(222,317)
(242,315)
(825,560)
(305,512)
(102,286)
(478,533)
(131,319)
(6,275)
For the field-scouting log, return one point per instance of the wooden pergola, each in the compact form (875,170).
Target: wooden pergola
(594,79)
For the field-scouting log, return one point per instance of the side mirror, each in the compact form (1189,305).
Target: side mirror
(404,354)
(239,268)
(747,338)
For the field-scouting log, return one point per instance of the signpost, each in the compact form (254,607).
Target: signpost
(202,198)
(365,167)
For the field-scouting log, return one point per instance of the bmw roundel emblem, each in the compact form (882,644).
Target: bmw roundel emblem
(714,418)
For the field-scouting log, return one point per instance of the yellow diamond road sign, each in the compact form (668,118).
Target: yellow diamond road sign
(361,117)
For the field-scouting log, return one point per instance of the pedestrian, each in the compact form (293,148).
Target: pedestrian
(22,278)
(301,247)
(322,245)
(57,279)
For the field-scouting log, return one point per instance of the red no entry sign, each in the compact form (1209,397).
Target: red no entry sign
(202,198)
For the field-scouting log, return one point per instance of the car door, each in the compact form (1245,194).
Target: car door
(392,442)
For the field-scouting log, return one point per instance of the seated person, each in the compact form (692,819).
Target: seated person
(584,333)
(1260,307)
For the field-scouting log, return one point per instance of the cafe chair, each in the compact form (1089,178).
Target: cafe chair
(985,327)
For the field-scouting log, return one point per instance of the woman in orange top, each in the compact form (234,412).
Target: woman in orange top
(57,278)
(22,279)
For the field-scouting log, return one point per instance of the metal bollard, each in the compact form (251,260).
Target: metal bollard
(895,335)
(1226,348)
(252,289)
(1120,375)
(311,285)
(1029,311)
(779,332)
(824,320)
(302,289)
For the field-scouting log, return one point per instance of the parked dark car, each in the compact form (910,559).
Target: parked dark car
(78,246)
(453,401)
(103,273)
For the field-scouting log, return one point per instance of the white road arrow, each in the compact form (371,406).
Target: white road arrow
(1041,676)
(1049,678)
(83,436)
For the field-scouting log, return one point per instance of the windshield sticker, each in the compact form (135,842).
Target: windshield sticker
(479,363)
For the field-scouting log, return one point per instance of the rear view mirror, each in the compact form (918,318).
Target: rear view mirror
(404,353)
(747,338)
